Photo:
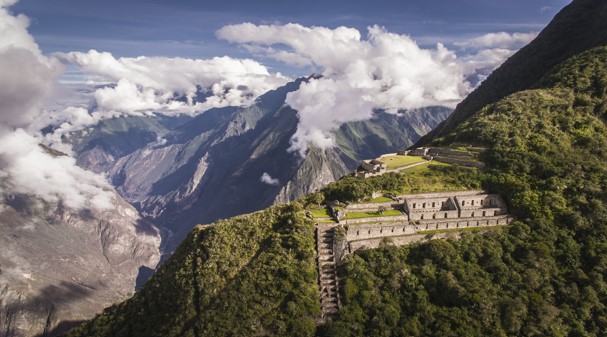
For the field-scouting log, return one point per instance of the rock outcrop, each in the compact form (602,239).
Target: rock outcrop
(60,266)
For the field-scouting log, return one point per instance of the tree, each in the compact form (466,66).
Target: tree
(317,198)
(381,209)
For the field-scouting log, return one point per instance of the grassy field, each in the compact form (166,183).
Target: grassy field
(380,199)
(358,215)
(439,177)
(399,161)
(320,213)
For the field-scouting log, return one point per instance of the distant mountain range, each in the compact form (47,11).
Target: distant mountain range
(179,172)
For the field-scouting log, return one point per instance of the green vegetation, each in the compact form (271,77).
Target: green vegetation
(430,177)
(320,213)
(353,189)
(252,275)
(543,276)
(439,177)
(359,215)
(397,161)
(380,199)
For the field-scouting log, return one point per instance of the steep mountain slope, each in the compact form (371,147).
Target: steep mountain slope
(580,26)
(99,147)
(546,275)
(216,288)
(59,266)
(211,166)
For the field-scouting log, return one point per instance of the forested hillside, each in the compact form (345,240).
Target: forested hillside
(547,274)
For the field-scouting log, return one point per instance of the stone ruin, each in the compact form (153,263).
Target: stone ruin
(371,167)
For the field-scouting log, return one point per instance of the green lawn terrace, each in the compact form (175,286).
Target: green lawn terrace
(373,214)
(399,161)
(461,155)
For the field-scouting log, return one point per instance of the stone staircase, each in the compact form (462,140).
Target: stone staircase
(329,287)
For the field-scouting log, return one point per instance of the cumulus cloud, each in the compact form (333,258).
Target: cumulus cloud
(486,52)
(25,167)
(29,169)
(500,40)
(151,84)
(27,75)
(382,71)
(267,179)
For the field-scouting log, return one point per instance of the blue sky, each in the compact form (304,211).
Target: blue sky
(187,28)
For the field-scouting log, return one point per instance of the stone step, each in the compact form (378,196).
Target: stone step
(324,279)
(330,305)
(327,278)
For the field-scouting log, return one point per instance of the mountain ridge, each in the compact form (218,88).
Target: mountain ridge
(579,26)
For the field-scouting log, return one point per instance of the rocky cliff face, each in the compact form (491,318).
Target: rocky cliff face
(59,266)
(210,167)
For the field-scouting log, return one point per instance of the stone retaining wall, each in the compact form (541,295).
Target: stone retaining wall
(403,217)
(370,236)
(463,223)
(371,206)
(378,231)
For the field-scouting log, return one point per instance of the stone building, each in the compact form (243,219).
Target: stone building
(431,207)
(480,205)
(420,151)
(371,167)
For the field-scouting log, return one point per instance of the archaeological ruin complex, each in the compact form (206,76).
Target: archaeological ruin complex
(422,217)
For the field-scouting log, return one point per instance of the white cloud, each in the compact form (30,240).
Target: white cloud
(27,75)
(500,40)
(384,71)
(149,84)
(28,81)
(545,9)
(267,179)
(29,169)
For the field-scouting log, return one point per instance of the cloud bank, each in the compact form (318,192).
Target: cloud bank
(382,71)
(145,84)
(28,82)
(501,40)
